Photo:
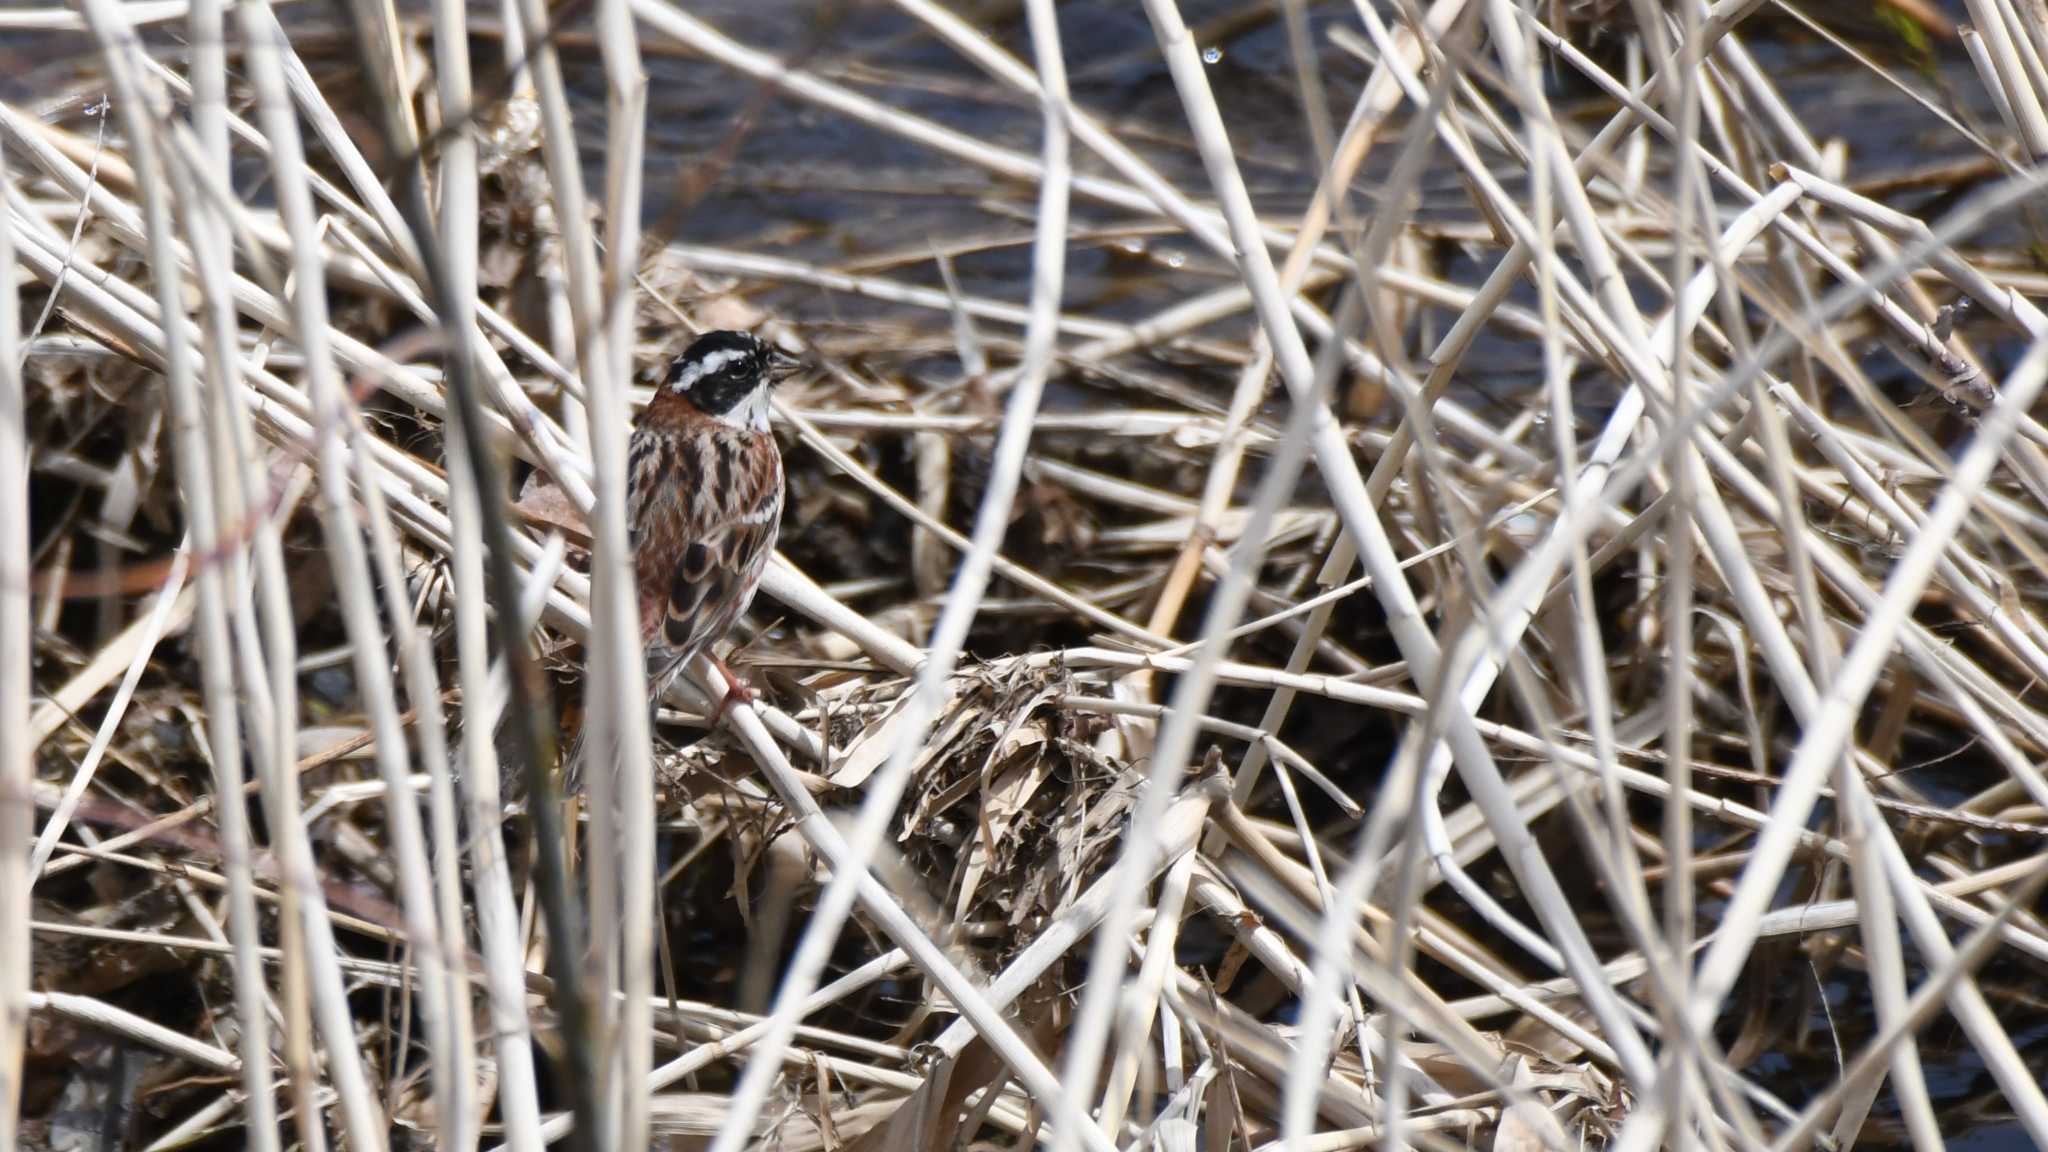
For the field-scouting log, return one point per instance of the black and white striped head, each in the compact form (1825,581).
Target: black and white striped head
(726,375)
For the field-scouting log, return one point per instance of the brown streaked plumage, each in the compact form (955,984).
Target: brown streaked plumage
(703,502)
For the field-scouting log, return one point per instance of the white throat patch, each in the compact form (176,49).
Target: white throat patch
(750,413)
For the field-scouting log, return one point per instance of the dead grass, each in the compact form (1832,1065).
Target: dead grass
(1179,726)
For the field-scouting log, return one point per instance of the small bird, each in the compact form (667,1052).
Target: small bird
(703,503)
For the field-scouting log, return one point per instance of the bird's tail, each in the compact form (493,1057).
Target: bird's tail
(663,667)
(577,757)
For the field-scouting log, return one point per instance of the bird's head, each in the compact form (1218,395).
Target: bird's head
(726,375)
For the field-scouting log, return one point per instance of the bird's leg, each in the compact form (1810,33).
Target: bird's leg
(735,690)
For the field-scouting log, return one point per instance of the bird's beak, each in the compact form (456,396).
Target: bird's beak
(782,365)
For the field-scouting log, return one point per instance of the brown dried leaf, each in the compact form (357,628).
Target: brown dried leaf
(542,502)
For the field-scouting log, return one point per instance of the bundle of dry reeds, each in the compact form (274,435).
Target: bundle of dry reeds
(1519,626)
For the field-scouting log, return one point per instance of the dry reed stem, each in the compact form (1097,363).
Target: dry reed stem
(17,688)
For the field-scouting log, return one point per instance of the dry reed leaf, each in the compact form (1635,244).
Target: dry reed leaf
(1525,1125)
(871,749)
(930,1117)
(543,503)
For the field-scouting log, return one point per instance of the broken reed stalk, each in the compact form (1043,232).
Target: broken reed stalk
(1493,542)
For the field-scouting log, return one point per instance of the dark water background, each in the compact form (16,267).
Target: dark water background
(733,164)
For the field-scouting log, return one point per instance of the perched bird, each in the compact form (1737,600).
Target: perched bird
(703,503)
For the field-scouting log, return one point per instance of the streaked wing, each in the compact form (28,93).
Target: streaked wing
(706,511)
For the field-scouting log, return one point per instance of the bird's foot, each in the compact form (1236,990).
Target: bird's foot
(736,691)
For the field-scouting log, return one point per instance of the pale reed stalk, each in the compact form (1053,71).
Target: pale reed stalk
(617,644)
(17,686)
